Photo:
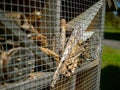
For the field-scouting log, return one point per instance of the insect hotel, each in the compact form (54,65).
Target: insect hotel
(51,44)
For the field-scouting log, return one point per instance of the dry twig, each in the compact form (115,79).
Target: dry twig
(40,39)
(50,53)
(63,34)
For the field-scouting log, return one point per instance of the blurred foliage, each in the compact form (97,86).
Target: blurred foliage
(112,26)
(112,21)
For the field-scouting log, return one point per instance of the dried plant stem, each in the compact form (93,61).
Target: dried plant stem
(50,53)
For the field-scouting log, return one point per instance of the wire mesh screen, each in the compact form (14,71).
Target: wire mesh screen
(50,44)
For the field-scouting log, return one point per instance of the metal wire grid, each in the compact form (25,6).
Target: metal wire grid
(86,80)
(25,65)
(76,8)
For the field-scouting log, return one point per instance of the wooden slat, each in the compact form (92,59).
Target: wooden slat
(88,65)
(35,80)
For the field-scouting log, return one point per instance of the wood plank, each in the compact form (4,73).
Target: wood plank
(35,80)
(88,65)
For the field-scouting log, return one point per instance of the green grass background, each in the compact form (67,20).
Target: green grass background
(110,73)
(110,68)
(111,56)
